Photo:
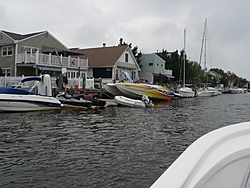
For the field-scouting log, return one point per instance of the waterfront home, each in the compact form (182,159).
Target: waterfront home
(39,52)
(107,62)
(153,69)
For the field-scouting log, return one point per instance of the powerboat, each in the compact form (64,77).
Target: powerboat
(112,89)
(144,102)
(220,158)
(37,96)
(137,90)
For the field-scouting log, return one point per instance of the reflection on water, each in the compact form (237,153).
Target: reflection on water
(112,147)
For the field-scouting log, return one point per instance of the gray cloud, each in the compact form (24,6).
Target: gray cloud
(151,25)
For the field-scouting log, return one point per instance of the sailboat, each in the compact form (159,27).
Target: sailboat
(204,92)
(185,92)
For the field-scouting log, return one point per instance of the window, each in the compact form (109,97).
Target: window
(7,51)
(150,64)
(73,74)
(82,75)
(68,74)
(30,50)
(6,71)
(126,57)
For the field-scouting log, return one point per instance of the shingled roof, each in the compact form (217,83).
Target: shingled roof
(16,36)
(103,56)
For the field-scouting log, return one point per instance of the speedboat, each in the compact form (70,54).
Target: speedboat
(137,90)
(220,158)
(111,88)
(144,102)
(37,97)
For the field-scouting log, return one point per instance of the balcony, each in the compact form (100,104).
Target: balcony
(51,60)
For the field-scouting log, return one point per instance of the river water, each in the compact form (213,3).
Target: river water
(118,147)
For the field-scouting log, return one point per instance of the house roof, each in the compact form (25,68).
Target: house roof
(16,36)
(102,56)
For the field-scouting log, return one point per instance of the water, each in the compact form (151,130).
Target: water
(118,147)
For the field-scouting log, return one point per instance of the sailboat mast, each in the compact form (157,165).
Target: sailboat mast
(202,45)
(205,48)
(184,58)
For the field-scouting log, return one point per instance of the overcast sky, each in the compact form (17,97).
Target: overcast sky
(149,24)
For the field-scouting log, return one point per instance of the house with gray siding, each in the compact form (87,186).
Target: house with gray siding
(153,67)
(35,53)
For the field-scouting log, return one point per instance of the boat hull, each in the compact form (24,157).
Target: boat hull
(186,92)
(205,93)
(129,102)
(211,161)
(111,88)
(24,103)
(135,90)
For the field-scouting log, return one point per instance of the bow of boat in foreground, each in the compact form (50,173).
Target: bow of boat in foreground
(220,158)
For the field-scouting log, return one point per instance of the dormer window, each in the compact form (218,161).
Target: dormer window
(126,57)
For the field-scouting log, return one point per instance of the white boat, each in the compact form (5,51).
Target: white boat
(185,92)
(111,88)
(38,97)
(204,92)
(220,159)
(217,91)
(145,102)
(234,90)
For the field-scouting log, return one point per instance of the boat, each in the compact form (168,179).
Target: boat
(144,102)
(185,92)
(217,91)
(112,89)
(204,92)
(73,101)
(234,90)
(137,90)
(220,158)
(31,94)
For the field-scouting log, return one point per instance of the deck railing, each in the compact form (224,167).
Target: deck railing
(51,60)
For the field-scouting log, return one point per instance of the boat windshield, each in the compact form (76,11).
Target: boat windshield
(33,78)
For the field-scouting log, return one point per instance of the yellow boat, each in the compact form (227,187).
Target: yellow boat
(137,90)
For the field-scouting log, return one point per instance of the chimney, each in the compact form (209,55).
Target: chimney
(104,44)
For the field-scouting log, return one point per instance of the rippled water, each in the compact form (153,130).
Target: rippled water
(112,147)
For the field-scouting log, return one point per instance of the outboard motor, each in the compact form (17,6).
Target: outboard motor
(146,101)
